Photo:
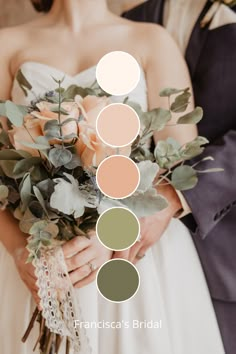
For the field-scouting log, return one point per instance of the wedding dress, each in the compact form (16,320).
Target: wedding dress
(173,298)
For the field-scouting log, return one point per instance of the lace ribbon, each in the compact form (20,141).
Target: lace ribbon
(58,299)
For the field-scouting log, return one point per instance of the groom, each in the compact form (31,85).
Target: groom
(206,34)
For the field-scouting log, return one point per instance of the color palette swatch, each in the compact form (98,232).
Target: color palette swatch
(118,73)
(118,280)
(118,176)
(118,125)
(118,228)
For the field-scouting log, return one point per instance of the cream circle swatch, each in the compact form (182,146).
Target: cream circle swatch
(118,280)
(118,73)
(118,228)
(118,125)
(117,177)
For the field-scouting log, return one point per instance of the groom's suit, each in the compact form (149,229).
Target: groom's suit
(211,58)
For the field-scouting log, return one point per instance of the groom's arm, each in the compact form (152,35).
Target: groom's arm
(215,193)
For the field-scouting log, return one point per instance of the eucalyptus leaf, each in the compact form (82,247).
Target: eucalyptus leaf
(73,91)
(74,162)
(8,168)
(23,82)
(4,138)
(167,92)
(25,165)
(25,192)
(40,198)
(145,204)
(159,117)
(46,187)
(193,117)
(10,154)
(27,221)
(181,102)
(52,128)
(4,192)
(201,140)
(15,113)
(3,109)
(35,145)
(148,171)
(60,156)
(184,178)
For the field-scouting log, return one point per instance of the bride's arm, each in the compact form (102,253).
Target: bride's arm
(10,235)
(165,67)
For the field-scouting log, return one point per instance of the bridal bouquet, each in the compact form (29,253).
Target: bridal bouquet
(48,161)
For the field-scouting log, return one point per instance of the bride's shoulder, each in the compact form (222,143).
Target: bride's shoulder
(153,39)
(151,32)
(18,34)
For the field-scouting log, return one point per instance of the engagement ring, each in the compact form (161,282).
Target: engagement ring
(140,256)
(92,266)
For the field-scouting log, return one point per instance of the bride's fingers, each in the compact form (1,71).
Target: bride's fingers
(140,255)
(86,280)
(75,245)
(121,254)
(80,273)
(80,259)
(134,251)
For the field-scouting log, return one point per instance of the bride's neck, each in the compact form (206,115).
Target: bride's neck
(77,13)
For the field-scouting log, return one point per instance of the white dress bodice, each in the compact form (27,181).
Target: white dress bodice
(40,76)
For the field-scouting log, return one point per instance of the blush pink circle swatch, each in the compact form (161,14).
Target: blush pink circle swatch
(118,177)
(118,73)
(118,125)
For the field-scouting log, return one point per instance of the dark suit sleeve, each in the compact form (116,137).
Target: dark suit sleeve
(215,193)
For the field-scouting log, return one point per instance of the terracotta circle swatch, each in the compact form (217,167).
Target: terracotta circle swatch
(118,125)
(118,280)
(118,228)
(118,73)
(117,177)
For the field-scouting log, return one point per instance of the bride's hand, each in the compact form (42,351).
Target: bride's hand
(26,271)
(152,227)
(83,257)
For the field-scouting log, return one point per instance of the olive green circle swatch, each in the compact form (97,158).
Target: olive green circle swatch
(118,229)
(118,280)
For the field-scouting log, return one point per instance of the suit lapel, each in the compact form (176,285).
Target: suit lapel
(197,41)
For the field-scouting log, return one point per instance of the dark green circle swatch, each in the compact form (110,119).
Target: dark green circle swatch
(118,228)
(118,280)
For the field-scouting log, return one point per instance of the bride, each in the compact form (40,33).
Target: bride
(172,311)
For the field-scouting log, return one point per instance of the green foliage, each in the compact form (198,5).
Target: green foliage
(184,178)
(4,192)
(23,82)
(25,192)
(15,113)
(60,156)
(181,102)
(193,117)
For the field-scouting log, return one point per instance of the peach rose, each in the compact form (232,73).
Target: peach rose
(45,114)
(91,106)
(27,133)
(89,146)
(92,150)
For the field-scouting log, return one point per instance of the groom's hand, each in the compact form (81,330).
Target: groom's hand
(152,227)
